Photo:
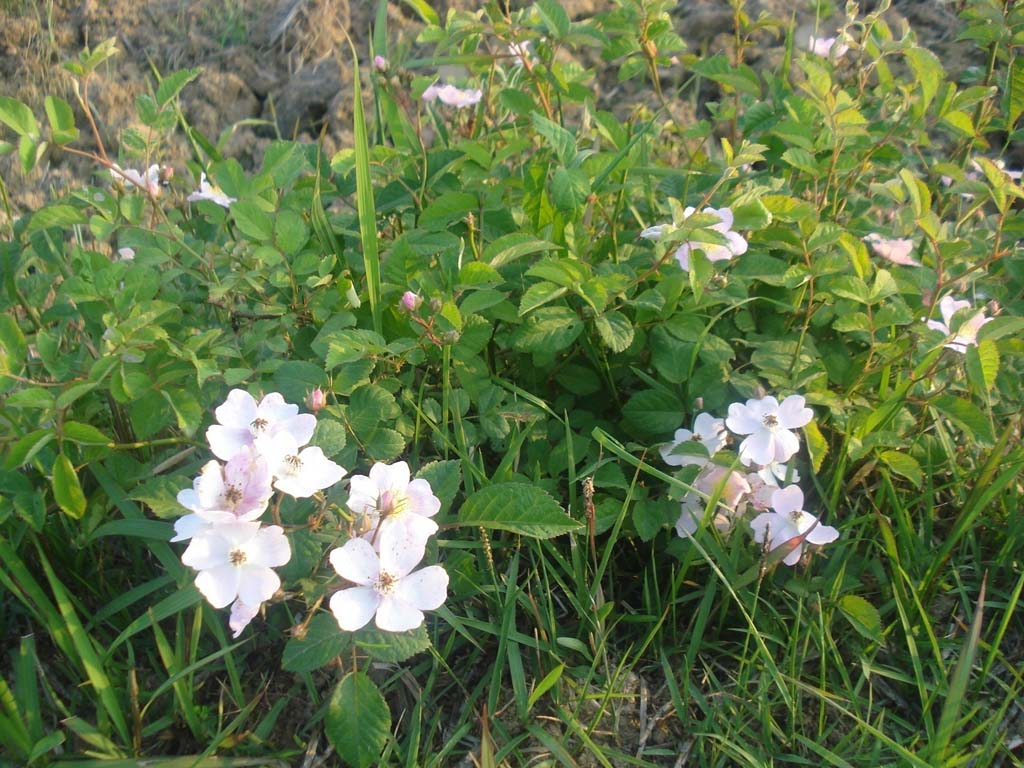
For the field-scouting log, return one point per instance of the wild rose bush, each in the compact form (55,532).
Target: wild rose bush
(590,397)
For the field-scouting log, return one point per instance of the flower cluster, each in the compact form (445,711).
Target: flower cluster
(769,441)
(393,515)
(735,244)
(263,447)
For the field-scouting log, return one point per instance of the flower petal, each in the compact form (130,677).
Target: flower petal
(758,448)
(403,544)
(787,500)
(425,589)
(238,410)
(268,548)
(241,615)
(393,615)
(354,607)
(256,584)
(357,562)
(793,412)
(219,585)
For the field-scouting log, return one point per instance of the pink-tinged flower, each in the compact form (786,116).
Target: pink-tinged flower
(731,486)
(707,432)
(316,400)
(239,490)
(241,420)
(896,250)
(236,560)
(241,615)
(125,254)
(768,426)
(387,498)
(789,526)
(380,63)
(765,482)
(967,333)
(410,302)
(452,96)
(299,473)
(386,584)
(736,244)
(211,192)
(148,183)
(827,46)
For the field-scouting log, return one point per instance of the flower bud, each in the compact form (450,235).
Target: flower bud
(380,63)
(410,302)
(316,400)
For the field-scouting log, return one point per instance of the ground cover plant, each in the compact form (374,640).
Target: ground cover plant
(525,432)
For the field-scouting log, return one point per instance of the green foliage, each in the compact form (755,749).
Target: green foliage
(549,350)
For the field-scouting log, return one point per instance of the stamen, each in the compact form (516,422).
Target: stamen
(771,421)
(258,425)
(293,464)
(386,583)
(232,495)
(237,557)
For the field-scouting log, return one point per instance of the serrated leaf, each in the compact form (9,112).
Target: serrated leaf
(358,720)
(654,412)
(18,117)
(615,330)
(67,490)
(928,73)
(1013,93)
(252,220)
(554,16)
(967,416)
(570,188)
(817,446)
(903,465)
(651,515)
(558,138)
(62,120)
(549,329)
(391,647)
(539,294)
(322,642)
(27,446)
(13,350)
(171,85)
(59,215)
(517,507)
(445,478)
(983,364)
(863,616)
(84,434)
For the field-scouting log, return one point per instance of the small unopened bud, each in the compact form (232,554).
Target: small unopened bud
(316,400)
(380,63)
(410,302)
(435,305)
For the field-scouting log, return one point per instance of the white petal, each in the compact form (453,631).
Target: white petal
(268,548)
(225,442)
(759,448)
(736,244)
(786,445)
(219,585)
(354,607)
(394,476)
(788,499)
(403,544)
(393,615)
(238,410)
(763,525)
(356,561)
(424,502)
(683,257)
(793,413)
(256,584)
(362,494)
(822,534)
(742,420)
(187,526)
(425,589)
(300,427)
(241,615)
(207,549)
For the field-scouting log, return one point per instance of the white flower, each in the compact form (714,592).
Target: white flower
(896,250)
(238,490)
(299,473)
(707,430)
(768,425)
(735,245)
(386,584)
(967,334)
(827,46)
(150,183)
(653,233)
(388,498)
(452,96)
(241,420)
(125,254)
(241,615)
(521,53)
(730,485)
(211,192)
(235,560)
(789,526)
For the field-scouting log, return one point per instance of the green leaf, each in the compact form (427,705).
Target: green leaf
(13,350)
(654,412)
(358,721)
(445,478)
(967,416)
(518,507)
(290,232)
(863,616)
(1013,93)
(817,446)
(558,138)
(84,434)
(513,246)
(19,117)
(322,642)
(27,446)
(171,85)
(391,647)
(549,330)
(651,515)
(253,221)
(554,16)
(30,150)
(59,215)
(62,120)
(983,364)
(903,465)
(570,188)
(615,330)
(538,295)
(928,73)
(67,491)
